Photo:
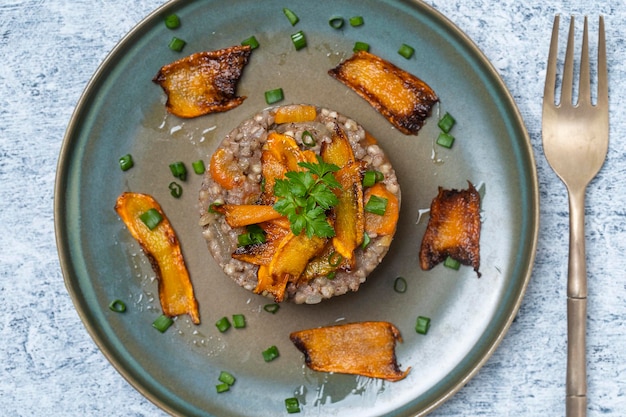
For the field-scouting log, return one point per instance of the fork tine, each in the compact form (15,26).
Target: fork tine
(603,78)
(550,85)
(584,85)
(568,70)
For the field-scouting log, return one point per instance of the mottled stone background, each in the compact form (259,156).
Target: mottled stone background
(49,366)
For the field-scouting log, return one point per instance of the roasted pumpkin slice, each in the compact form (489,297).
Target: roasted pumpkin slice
(453,229)
(162,248)
(402,98)
(225,170)
(296,113)
(239,215)
(338,151)
(328,262)
(262,253)
(289,261)
(349,214)
(204,82)
(286,150)
(376,224)
(364,348)
(272,169)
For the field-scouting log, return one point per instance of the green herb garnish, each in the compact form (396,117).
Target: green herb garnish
(304,197)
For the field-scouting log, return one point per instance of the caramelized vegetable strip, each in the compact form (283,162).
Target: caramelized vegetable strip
(296,113)
(239,215)
(365,348)
(338,151)
(453,229)
(325,264)
(225,170)
(385,224)
(286,150)
(349,213)
(262,253)
(203,82)
(272,169)
(162,248)
(404,99)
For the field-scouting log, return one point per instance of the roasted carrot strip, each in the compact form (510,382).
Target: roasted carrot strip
(162,248)
(225,170)
(239,215)
(385,224)
(262,253)
(338,151)
(365,348)
(349,213)
(296,113)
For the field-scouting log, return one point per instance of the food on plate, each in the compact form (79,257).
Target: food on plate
(364,348)
(453,229)
(147,223)
(283,204)
(204,82)
(402,98)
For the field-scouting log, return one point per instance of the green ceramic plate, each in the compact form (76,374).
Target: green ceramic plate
(122,112)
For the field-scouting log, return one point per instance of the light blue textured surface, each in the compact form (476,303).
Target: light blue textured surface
(49,366)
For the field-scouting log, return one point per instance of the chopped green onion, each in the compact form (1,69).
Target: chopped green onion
(422,325)
(292,405)
(445,139)
(223,387)
(361,46)
(331,275)
(177,44)
(226,378)
(299,40)
(151,218)
(126,162)
(452,263)
(162,323)
(172,21)
(291,16)
(239,321)
(372,177)
(179,170)
(252,42)
(334,259)
(198,167)
(366,240)
(400,285)
(118,306)
(356,21)
(274,96)
(254,234)
(308,139)
(222,324)
(406,51)
(213,206)
(376,205)
(270,353)
(446,123)
(336,22)
(271,308)
(175,189)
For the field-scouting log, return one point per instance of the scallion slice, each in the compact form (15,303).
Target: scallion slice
(446,123)
(151,218)
(299,40)
(198,167)
(361,46)
(239,321)
(308,139)
(222,324)
(452,263)
(274,96)
(422,325)
(406,51)
(400,285)
(271,308)
(252,42)
(445,139)
(176,190)
(177,44)
(270,353)
(336,22)
(376,205)
(356,21)
(172,21)
(366,240)
(223,387)
(331,275)
(292,405)
(118,306)
(372,177)
(126,162)
(212,207)
(162,323)
(334,259)
(291,16)
(179,170)
(226,378)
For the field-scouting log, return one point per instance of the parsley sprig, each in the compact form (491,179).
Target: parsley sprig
(305,196)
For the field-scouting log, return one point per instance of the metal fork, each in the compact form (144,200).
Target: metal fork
(575,143)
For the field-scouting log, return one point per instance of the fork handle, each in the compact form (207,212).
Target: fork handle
(576,380)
